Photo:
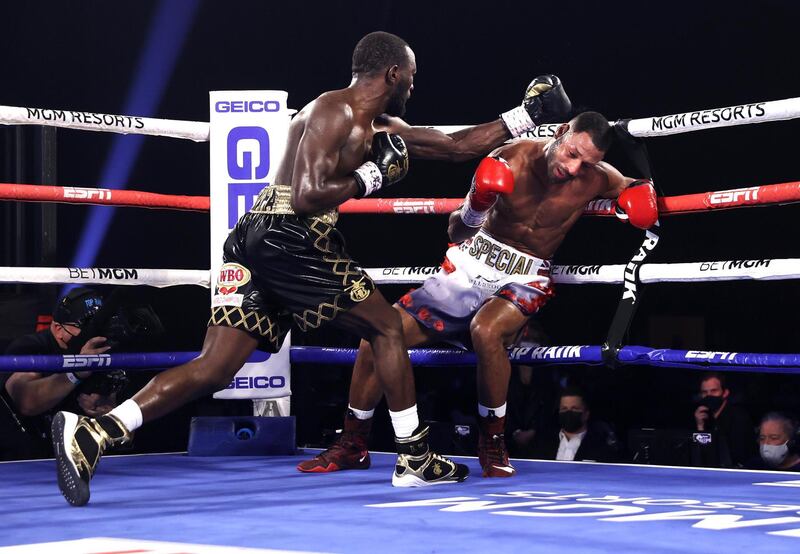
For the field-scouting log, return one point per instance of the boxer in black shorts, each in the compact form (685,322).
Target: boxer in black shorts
(310,279)
(289,262)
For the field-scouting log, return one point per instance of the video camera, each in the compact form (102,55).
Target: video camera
(128,323)
(104,383)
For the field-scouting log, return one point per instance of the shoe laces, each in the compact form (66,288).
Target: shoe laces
(494,449)
(429,459)
(344,444)
(440,458)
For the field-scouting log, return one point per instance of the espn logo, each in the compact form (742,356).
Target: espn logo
(733,196)
(87,360)
(87,194)
(708,355)
(414,207)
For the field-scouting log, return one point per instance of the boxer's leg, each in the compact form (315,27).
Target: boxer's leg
(350,450)
(494,328)
(225,351)
(238,322)
(319,283)
(380,325)
(365,389)
(79,442)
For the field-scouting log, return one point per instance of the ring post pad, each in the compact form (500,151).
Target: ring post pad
(242,436)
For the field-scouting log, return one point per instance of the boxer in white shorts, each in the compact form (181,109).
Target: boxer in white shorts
(524,199)
(474,271)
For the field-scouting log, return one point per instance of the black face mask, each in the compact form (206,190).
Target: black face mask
(570,420)
(713,403)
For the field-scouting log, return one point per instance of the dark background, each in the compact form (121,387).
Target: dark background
(625,59)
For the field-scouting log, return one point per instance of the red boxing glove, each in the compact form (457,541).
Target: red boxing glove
(493,177)
(638,204)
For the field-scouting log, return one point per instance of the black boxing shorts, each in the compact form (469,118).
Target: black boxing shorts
(281,267)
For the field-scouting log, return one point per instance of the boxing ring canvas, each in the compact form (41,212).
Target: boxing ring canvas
(148,503)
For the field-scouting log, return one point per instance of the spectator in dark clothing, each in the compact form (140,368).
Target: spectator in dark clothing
(531,409)
(777,442)
(28,399)
(727,430)
(532,398)
(578,437)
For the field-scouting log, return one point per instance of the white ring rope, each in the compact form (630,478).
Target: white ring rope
(690,272)
(123,124)
(756,112)
(106,276)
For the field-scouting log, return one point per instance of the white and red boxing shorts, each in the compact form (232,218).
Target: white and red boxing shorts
(473,272)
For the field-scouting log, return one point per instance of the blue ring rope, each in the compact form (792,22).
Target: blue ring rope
(592,355)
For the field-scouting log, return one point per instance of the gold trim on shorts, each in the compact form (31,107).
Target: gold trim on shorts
(277,200)
(359,285)
(251,321)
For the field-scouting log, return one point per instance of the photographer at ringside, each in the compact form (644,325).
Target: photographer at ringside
(82,324)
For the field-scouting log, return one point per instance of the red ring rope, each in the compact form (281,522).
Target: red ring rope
(668,205)
(107,197)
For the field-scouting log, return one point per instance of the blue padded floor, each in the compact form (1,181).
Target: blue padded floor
(265,503)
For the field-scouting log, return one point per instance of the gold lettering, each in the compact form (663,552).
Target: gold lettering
(485,247)
(502,264)
(519,266)
(473,251)
(510,264)
(492,256)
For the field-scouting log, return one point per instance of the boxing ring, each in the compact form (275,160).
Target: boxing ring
(141,502)
(170,503)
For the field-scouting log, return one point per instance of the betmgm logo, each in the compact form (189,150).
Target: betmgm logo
(86,360)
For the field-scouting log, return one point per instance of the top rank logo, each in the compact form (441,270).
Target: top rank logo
(231,277)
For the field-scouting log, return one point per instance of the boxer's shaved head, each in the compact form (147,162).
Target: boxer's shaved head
(378,51)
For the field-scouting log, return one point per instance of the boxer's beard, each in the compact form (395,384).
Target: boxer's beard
(397,102)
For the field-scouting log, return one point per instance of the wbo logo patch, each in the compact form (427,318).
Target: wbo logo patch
(231,277)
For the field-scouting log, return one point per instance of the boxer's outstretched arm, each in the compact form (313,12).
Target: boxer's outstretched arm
(314,185)
(432,144)
(617,182)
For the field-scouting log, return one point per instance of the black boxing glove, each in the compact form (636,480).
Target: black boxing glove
(388,163)
(545,101)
